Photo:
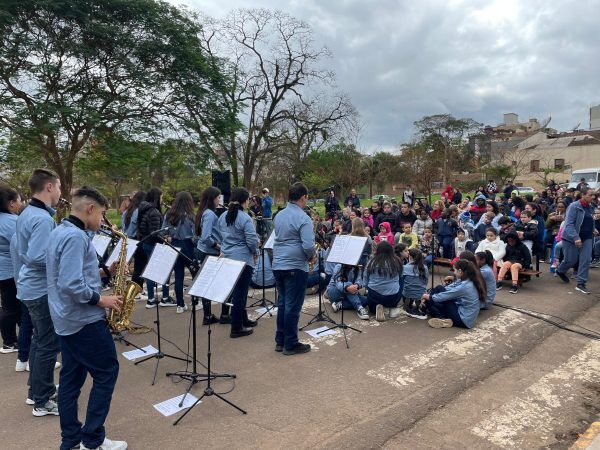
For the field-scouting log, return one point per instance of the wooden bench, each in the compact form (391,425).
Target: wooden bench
(526,274)
(442,262)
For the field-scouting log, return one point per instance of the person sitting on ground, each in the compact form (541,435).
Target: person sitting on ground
(386,216)
(401,251)
(457,304)
(407,236)
(517,257)
(343,291)
(527,230)
(438,208)
(485,262)
(422,222)
(383,278)
(415,276)
(375,211)
(385,233)
(466,223)
(367,218)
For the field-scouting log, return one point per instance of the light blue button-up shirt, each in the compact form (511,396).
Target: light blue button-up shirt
(295,240)
(131,229)
(73,279)
(383,285)
(209,233)
(240,241)
(8,226)
(464,294)
(490,284)
(34,226)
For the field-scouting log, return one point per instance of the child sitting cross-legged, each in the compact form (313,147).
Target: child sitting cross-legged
(382,277)
(343,288)
(385,233)
(415,275)
(408,237)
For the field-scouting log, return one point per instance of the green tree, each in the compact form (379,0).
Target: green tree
(421,166)
(446,136)
(72,68)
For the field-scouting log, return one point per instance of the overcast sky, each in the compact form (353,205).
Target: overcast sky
(402,60)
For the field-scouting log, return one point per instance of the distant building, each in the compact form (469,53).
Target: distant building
(595,118)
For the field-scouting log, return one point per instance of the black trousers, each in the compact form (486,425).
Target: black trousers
(10,314)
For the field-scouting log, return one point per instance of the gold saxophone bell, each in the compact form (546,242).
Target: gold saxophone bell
(120,320)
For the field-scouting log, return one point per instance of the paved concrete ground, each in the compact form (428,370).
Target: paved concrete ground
(511,382)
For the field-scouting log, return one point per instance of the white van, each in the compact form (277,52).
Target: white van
(591,177)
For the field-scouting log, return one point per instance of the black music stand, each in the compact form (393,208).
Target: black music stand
(208,391)
(263,301)
(160,354)
(321,315)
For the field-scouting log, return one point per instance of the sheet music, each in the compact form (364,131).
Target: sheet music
(101,243)
(270,241)
(171,406)
(216,279)
(131,246)
(161,264)
(138,353)
(347,249)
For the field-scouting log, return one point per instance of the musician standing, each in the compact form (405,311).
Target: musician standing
(240,242)
(34,226)
(78,313)
(294,246)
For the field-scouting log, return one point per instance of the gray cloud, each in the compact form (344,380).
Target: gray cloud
(401,60)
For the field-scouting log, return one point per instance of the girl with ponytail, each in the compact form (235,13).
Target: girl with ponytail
(240,242)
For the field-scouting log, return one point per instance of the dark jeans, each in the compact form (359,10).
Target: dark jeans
(239,297)
(291,285)
(444,310)
(187,248)
(42,355)
(206,304)
(447,244)
(90,350)
(10,314)
(148,248)
(139,263)
(25,333)
(375,298)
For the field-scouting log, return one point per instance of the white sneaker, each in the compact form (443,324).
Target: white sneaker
(440,323)
(49,409)
(395,313)
(107,445)
(54,396)
(9,348)
(336,306)
(198,307)
(181,309)
(141,297)
(56,366)
(21,366)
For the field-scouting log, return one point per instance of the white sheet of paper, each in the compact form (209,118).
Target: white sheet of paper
(101,243)
(270,241)
(315,333)
(131,246)
(171,406)
(137,353)
(347,250)
(263,310)
(216,279)
(161,264)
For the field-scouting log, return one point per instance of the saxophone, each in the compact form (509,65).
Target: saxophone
(119,320)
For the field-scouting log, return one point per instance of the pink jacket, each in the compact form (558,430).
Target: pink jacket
(387,235)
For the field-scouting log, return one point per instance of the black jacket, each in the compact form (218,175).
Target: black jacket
(402,219)
(518,253)
(149,220)
(383,217)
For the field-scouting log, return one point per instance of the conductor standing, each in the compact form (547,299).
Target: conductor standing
(293,247)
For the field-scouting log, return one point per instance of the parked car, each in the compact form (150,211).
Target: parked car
(523,190)
(386,198)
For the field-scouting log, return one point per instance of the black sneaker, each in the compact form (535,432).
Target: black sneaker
(278,348)
(562,276)
(514,289)
(241,332)
(249,323)
(582,288)
(166,302)
(151,304)
(297,349)
(209,320)
(416,313)
(225,319)
(498,285)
